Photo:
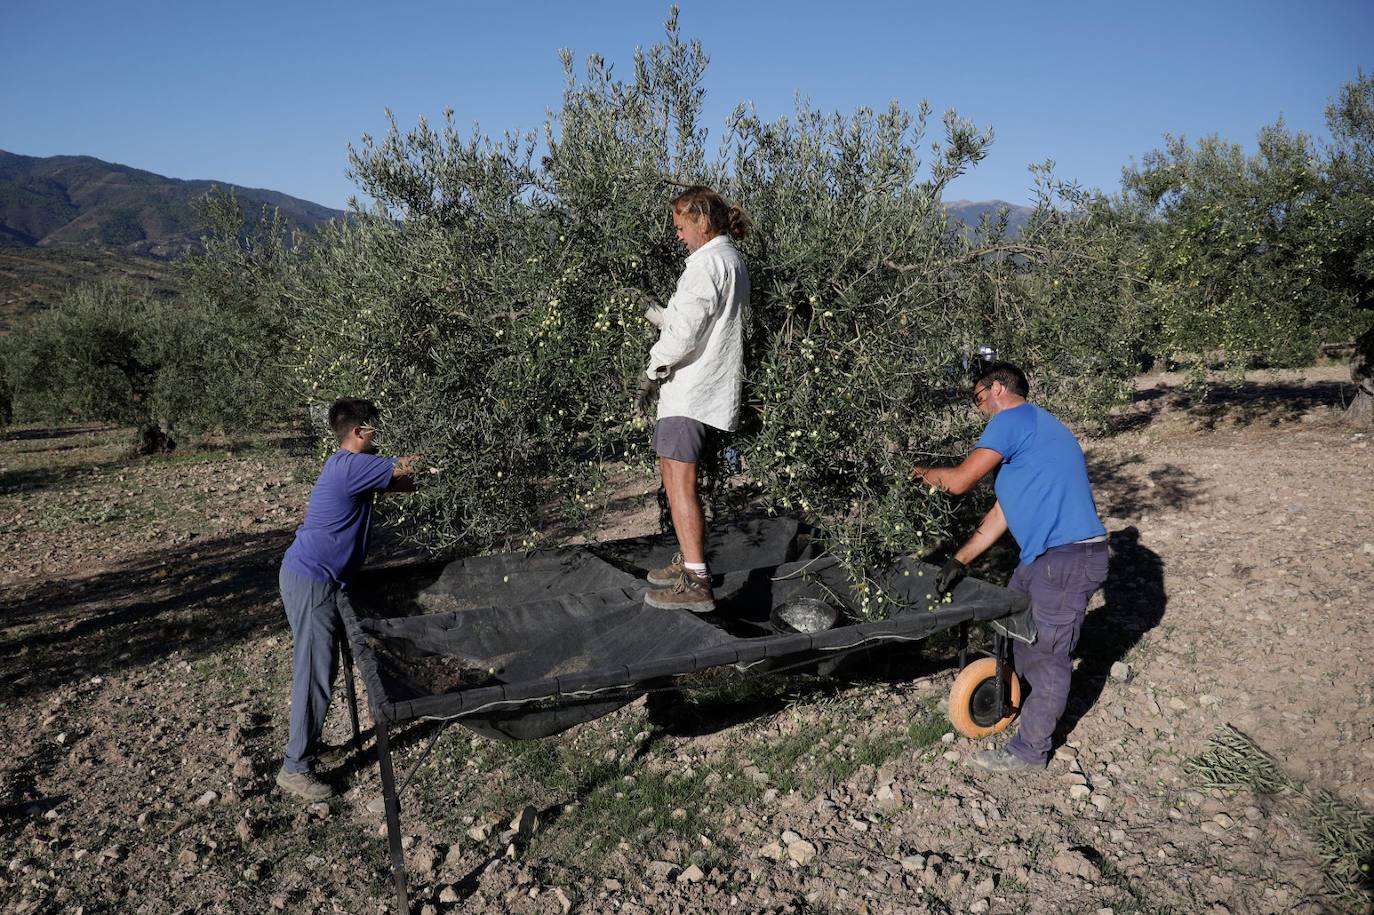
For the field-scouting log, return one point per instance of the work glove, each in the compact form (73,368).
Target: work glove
(646,395)
(653,310)
(950,575)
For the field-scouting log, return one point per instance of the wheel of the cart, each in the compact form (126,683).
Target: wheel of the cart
(973,698)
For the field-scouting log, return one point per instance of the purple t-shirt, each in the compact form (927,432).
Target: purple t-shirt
(332,541)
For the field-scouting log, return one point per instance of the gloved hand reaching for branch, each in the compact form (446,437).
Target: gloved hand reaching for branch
(952,573)
(646,395)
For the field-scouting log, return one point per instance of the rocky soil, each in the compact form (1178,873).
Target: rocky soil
(144,666)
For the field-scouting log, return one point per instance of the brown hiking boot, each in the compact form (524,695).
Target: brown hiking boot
(304,786)
(667,576)
(690,592)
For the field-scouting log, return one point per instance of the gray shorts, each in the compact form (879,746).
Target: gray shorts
(679,438)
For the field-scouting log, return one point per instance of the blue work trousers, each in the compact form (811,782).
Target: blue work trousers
(314,617)
(1060,582)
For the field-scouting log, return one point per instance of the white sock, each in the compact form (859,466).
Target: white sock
(696,568)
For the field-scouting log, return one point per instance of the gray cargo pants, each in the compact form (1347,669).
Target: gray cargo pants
(314,619)
(1059,582)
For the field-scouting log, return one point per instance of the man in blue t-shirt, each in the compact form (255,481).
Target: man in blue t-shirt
(1045,499)
(329,547)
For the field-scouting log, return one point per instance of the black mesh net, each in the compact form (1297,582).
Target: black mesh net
(519,646)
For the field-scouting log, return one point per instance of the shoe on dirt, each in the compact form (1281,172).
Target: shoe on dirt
(667,576)
(690,592)
(1000,761)
(303,785)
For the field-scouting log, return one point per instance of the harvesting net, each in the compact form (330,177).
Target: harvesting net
(518,646)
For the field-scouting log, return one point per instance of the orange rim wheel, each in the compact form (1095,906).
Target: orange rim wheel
(973,698)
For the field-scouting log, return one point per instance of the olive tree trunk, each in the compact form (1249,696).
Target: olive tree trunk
(1361,410)
(153,439)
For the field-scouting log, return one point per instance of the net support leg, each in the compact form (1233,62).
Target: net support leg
(351,692)
(392,803)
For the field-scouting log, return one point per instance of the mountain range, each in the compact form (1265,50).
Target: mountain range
(80,201)
(970,211)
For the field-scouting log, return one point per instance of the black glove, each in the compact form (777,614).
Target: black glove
(950,576)
(646,395)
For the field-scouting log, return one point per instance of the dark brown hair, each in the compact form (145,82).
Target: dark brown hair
(347,412)
(724,219)
(1012,378)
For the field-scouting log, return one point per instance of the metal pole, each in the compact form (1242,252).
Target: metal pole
(963,644)
(350,690)
(393,818)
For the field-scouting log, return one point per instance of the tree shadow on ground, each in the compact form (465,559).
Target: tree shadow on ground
(1269,403)
(25,435)
(1134,602)
(188,601)
(30,479)
(1244,403)
(1121,491)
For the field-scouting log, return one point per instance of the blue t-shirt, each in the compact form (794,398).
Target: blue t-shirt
(1043,481)
(332,541)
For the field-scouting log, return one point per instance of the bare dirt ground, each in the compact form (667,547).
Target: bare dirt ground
(145,661)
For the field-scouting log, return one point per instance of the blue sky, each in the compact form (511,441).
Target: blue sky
(271,94)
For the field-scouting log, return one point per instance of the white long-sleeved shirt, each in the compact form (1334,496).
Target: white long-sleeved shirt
(700,349)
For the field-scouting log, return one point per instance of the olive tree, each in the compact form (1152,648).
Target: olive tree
(6,396)
(96,354)
(870,302)
(1238,247)
(225,363)
(490,300)
(206,359)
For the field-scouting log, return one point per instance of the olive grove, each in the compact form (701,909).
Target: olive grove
(1263,258)
(1350,261)
(207,360)
(490,300)
(489,296)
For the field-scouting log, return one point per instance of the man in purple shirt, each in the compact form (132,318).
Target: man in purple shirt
(329,548)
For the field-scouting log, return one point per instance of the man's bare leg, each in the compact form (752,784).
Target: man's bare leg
(689,521)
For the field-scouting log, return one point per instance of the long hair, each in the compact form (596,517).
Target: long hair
(723,217)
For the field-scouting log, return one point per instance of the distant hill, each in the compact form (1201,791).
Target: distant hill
(80,201)
(67,220)
(970,211)
(34,278)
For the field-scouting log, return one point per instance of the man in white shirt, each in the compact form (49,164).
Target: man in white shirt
(697,367)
